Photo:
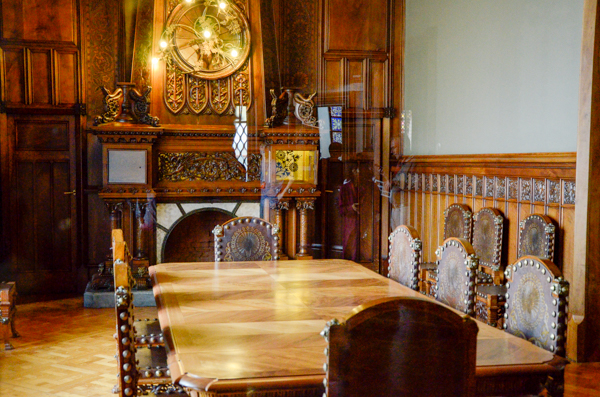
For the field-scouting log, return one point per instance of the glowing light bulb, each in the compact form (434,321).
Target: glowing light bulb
(207,33)
(155,63)
(163,44)
(189,1)
(222,5)
(234,53)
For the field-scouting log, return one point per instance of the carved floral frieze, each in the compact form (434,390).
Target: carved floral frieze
(210,167)
(547,191)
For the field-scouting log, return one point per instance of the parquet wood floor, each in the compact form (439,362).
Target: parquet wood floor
(66,350)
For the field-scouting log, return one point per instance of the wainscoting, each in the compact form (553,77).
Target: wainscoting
(516,184)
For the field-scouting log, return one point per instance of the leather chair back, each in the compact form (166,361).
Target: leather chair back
(456,275)
(401,347)
(246,239)
(405,256)
(536,303)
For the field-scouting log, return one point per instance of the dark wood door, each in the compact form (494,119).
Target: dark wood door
(43,216)
(40,122)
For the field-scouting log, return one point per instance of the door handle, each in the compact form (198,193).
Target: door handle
(74,193)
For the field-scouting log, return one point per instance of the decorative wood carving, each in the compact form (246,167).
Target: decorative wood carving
(206,166)
(126,104)
(556,170)
(278,109)
(303,205)
(206,75)
(305,109)
(111,102)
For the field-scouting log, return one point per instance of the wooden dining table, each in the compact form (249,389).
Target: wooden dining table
(235,327)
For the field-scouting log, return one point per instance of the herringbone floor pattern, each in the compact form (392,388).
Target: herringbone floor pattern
(66,350)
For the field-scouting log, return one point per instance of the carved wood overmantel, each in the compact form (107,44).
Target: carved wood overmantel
(187,164)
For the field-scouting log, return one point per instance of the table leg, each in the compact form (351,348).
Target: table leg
(555,384)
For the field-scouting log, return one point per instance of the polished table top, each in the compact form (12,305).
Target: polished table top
(244,322)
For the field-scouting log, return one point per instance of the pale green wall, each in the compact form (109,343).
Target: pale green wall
(492,76)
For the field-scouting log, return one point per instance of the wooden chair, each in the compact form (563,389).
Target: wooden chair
(536,238)
(488,227)
(537,234)
(536,303)
(458,222)
(141,369)
(401,347)
(456,275)
(405,255)
(246,239)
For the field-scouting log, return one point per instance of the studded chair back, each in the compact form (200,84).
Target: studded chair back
(488,227)
(405,256)
(141,369)
(376,350)
(246,239)
(456,275)
(536,303)
(536,237)
(458,222)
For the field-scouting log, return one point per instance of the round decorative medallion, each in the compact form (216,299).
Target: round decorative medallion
(530,307)
(484,240)
(533,242)
(209,39)
(454,224)
(247,244)
(451,278)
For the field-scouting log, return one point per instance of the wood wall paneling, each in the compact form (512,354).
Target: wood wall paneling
(369,30)
(517,185)
(14,75)
(39,20)
(378,75)
(40,70)
(67,78)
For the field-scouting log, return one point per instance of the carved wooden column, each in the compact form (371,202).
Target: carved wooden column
(116,214)
(140,244)
(278,206)
(303,205)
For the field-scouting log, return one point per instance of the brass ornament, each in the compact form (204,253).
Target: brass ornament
(206,39)
(305,108)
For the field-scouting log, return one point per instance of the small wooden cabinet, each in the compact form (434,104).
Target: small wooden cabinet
(8,297)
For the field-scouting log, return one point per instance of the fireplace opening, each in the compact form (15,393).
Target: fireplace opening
(190,239)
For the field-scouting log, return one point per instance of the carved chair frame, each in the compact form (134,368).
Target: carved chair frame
(466,286)
(549,235)
(415,245)
(490,269)
(556,292)
(220,230)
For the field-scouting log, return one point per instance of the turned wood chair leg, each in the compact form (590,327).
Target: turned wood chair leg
(7,345)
